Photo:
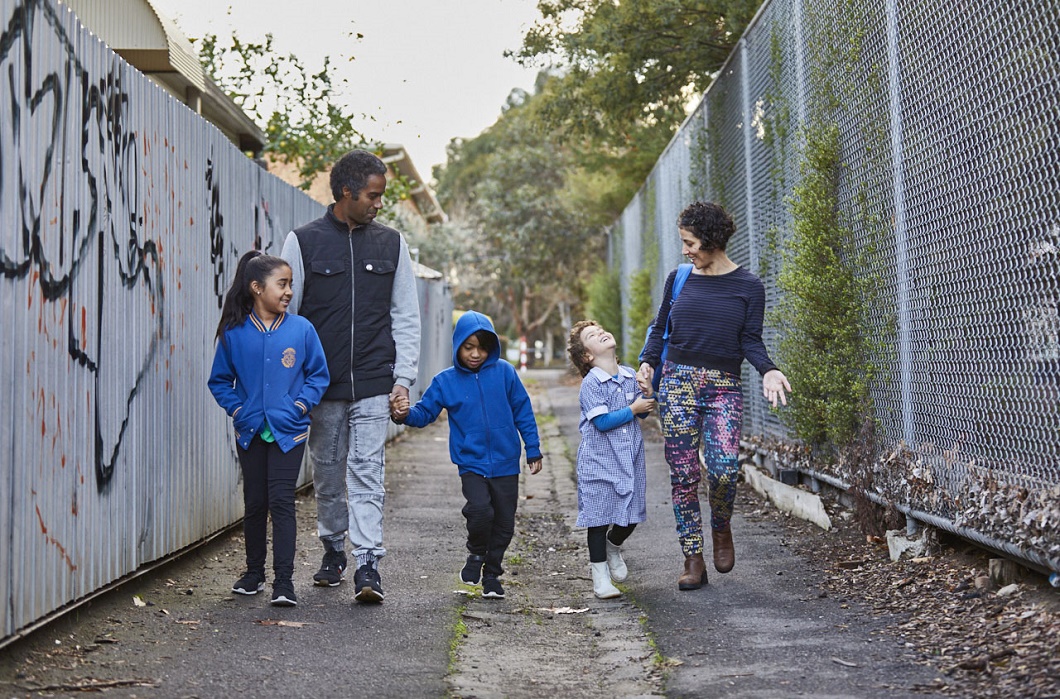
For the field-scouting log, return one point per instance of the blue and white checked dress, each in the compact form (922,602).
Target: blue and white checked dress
(611,475)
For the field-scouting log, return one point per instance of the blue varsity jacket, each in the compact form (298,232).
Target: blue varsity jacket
(275,373)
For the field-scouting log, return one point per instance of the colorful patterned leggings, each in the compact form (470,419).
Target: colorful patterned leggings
(701,409)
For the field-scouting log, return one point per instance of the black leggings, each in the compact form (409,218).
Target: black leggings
(597,536)
(269,477)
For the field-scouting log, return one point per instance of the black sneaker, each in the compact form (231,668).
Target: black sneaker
(283,594)
(471,573)
(332,569)
(491,587)
(251,583)
(368,586)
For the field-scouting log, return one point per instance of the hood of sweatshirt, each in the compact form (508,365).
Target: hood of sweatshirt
(466,326)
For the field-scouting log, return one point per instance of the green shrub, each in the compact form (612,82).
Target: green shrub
(604,304)
(641,313)
(822,347)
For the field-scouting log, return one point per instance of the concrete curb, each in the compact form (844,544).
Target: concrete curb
(787,498)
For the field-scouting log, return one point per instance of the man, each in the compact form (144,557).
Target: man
(353,280)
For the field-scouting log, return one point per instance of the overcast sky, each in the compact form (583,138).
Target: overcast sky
(427,70)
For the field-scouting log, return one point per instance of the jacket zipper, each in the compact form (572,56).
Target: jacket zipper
(486,419)
(353,313)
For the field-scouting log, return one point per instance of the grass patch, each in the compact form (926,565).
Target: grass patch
(457,639)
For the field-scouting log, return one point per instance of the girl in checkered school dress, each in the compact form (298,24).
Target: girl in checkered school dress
(611,473)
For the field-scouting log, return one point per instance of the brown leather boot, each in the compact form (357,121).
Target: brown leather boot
(724,555)
(695,575)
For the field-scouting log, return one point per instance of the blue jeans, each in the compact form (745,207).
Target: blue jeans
(346,447)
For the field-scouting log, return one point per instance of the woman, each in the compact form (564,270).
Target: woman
(715,323)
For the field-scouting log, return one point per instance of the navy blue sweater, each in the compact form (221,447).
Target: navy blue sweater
(715,323)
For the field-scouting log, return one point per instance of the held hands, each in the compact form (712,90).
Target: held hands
(642,405)
(774,383)
(399,405)
(533,466)
(644,378)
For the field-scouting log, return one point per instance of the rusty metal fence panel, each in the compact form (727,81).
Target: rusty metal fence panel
(122,217)
(949,128)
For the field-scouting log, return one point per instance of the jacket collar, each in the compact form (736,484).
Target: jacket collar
(260,324)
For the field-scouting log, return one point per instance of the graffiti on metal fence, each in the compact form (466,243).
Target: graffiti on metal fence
(60,234)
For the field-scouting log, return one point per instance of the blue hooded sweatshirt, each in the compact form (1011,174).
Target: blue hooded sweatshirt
(488,409)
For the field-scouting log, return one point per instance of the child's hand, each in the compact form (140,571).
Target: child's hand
(642,405)
(533,466)
(399,407)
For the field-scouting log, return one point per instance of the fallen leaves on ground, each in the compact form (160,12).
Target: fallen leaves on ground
(984,642)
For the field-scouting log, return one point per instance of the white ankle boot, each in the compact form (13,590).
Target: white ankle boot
(602,586)
(615,564)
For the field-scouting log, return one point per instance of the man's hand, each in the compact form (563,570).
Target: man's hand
(533,466)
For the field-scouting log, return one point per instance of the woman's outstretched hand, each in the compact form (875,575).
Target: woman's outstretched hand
(774,383)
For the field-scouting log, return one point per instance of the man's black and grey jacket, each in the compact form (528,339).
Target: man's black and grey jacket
(358,289)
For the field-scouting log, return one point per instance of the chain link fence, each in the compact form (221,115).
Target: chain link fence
(949,139)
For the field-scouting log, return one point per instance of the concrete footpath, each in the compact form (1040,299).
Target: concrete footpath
(760,631)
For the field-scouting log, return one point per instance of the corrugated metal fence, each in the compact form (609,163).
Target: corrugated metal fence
(122,216)
(949,127)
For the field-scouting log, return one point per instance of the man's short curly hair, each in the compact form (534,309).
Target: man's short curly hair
(353,170)
(576,348)
(710,223)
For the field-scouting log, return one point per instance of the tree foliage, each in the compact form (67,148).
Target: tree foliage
(519,195)
(628,69)
(301,111)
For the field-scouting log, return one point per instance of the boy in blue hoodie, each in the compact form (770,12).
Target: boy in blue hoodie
(488,411)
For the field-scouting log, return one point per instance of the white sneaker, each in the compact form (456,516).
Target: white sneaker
(602,586)
(615,564)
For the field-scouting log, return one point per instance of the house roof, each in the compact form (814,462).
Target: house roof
(153,44)
(398,159)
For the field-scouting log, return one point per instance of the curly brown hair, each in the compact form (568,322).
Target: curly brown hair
(710,223)
(576,349)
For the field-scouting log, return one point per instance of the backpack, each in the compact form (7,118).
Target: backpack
(680,278)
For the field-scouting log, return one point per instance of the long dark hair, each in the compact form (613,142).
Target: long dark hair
(254,266)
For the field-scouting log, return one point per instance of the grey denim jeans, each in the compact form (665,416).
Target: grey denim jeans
(346,447)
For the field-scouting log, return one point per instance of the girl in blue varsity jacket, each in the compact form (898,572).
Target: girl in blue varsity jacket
(489,410)
(268,372)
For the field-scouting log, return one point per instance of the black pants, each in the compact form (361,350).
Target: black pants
(490,514)
(598,535)
(269,477)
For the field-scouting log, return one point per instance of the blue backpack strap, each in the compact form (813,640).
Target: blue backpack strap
(679,283)
(681,276)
